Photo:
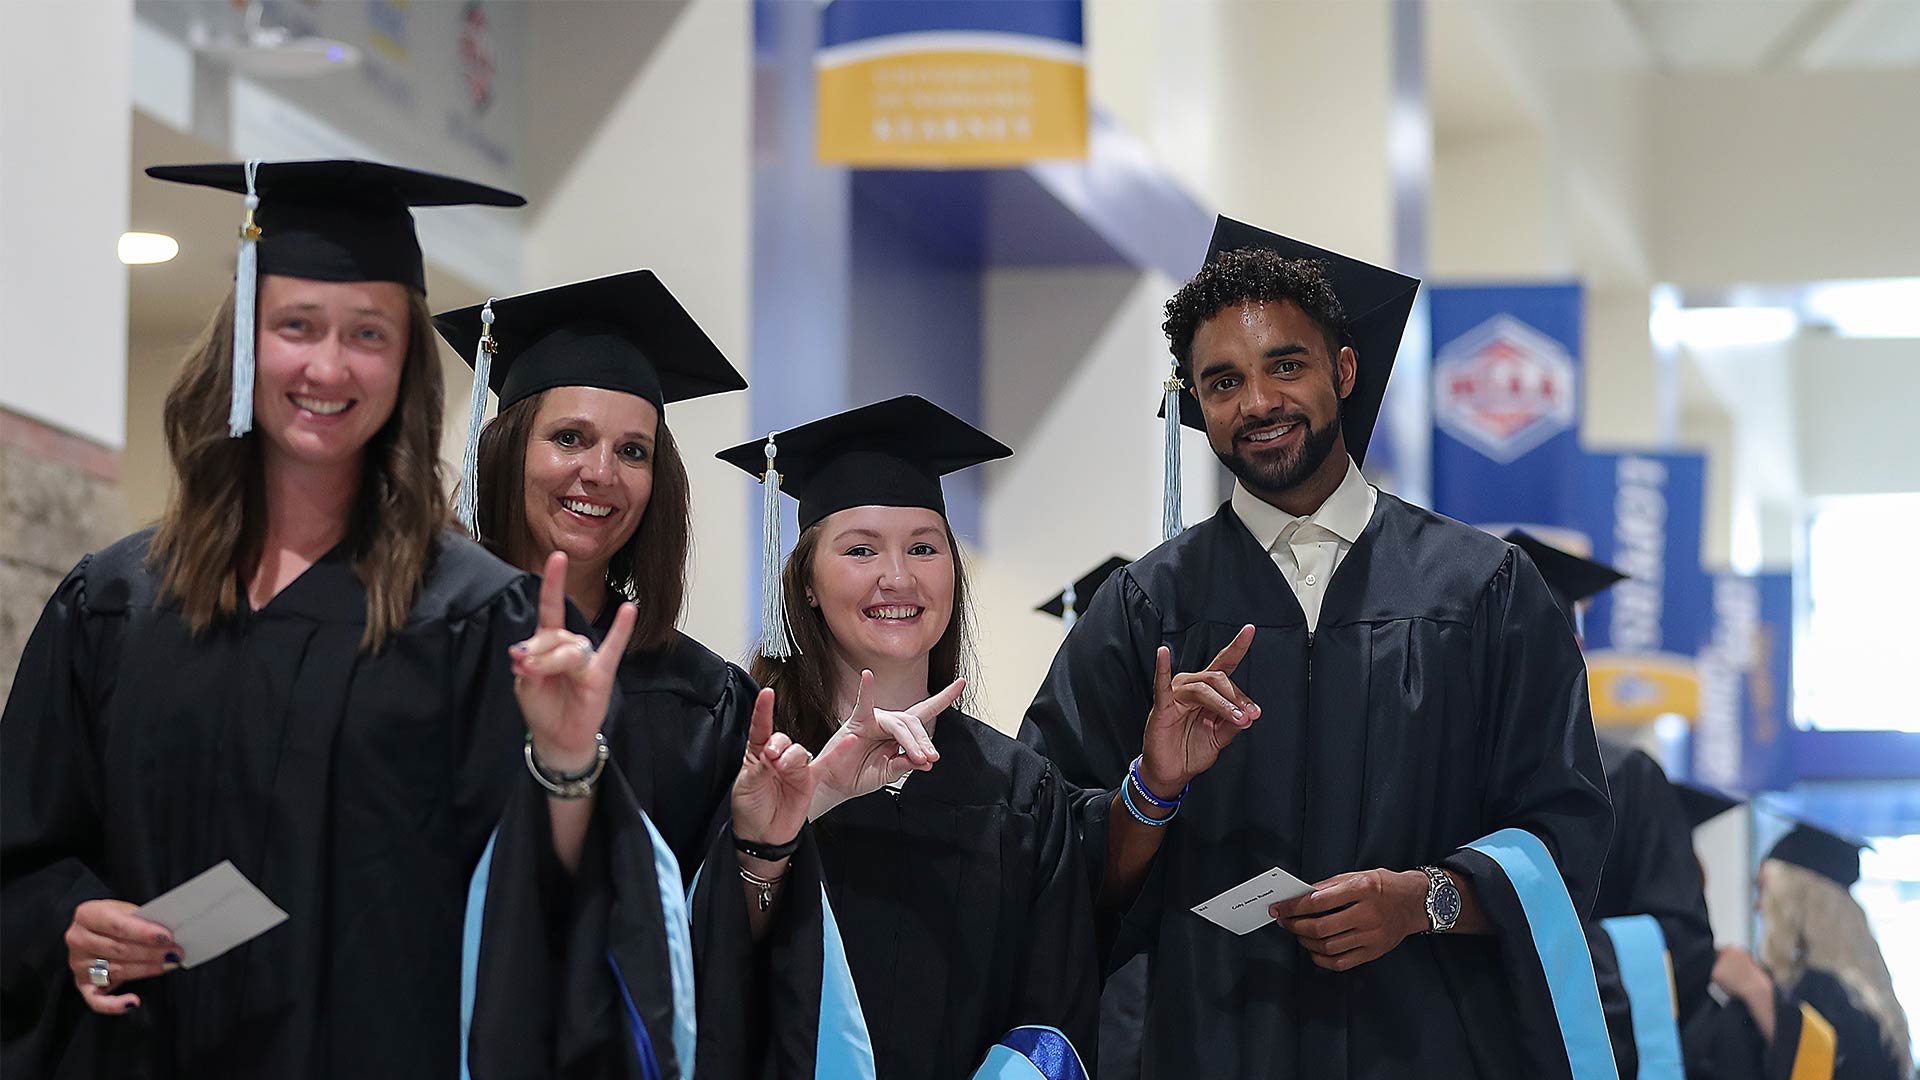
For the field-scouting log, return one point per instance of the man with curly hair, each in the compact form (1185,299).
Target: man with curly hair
(1379,700)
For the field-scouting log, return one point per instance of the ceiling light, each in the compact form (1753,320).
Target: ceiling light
(1887,308)
(147,248)
(1730,327)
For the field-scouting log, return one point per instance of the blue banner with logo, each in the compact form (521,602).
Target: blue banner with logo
(1506,402)
(1743,739)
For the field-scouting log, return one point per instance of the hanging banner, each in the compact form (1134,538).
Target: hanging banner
(1506,405)
(928,84)
(1506,454)
(1743,739)
(1642,512)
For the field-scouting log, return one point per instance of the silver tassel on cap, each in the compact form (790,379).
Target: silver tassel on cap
(468,507)
(774,642)
(1170,524)
(1069,601)
(245,298)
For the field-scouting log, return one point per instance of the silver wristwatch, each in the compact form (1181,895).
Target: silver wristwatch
(1443,900)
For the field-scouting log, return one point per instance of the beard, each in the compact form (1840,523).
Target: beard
(1275,475)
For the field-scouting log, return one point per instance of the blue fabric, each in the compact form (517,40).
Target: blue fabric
(1031,1051)
(1641,948)
(844,1050)
(470,946)
(1561,946)
(678,924)
(642,1042)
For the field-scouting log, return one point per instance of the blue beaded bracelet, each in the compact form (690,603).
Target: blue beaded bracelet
(1133,771)
(1126,796)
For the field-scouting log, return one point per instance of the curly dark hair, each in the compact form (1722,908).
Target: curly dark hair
(1252,275)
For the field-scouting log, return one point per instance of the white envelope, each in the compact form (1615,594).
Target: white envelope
(1243,908)
(212,913)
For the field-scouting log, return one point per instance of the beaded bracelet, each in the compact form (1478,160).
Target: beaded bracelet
(1133,771)
(1126,796)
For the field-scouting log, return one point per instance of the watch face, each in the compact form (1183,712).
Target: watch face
(1446,905)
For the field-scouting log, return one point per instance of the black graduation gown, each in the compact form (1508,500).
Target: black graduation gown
(1650,869)
(1863,1054)
(963,906)
(357,790)
(1442,698)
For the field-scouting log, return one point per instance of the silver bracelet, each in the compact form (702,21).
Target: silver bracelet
(569,785)
(765,885)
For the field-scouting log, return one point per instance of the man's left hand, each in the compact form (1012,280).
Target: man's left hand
(1353,919)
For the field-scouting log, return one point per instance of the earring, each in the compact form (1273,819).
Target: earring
(811,602)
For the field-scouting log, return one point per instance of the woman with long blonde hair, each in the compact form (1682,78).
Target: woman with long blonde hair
(303,673)
(1816,944)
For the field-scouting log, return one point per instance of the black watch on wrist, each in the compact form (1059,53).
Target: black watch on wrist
(1443,900)
(768,852)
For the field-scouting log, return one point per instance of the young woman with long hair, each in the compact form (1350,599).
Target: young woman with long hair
(303,672)
(958,898)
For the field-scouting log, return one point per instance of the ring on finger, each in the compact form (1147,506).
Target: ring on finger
(99,973)
(585,648)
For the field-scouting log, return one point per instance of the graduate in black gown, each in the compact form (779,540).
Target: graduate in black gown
(1650,871)
(304,671)
(1817,947)
(1379,700)
(1748,1028)
(957,897)
(580,459)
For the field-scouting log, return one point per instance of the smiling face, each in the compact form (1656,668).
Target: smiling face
(589,472)
(883,579)
(329,357)
(1271,388)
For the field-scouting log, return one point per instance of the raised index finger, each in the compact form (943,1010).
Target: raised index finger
(553,592)
(1235,651)
(760,729)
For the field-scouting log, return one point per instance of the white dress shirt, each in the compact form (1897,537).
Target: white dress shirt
(1309,549)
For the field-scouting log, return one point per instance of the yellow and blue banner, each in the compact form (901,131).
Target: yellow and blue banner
(930,84)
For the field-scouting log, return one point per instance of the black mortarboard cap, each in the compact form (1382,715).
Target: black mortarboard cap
(1570,578)
(1069,602)
(324,221)
(339,220)
(624,332)
(889,453)
(1832,856)
(1702,804)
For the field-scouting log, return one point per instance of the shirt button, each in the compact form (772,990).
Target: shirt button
(1310,580)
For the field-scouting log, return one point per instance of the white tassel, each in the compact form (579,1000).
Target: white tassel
(1069,600)
(1170,524)
(245,293)
(469,505)
(774,641)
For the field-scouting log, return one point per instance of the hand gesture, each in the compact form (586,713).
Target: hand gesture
(775,785)
(1353,919)
(1195,715)
(875,747)
(562,682)
(133,948)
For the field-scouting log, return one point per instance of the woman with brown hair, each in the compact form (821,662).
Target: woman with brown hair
(961,906)
(302,672)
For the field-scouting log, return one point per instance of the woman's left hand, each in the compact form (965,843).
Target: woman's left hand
(562,682)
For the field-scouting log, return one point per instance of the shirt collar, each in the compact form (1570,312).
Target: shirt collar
(1345,513)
